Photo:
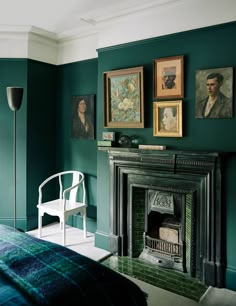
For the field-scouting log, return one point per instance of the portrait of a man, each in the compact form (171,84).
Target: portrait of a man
(82,113)
(214,96)
(169,119)
(168,78)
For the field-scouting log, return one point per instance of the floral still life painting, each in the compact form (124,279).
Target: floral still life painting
(124,98)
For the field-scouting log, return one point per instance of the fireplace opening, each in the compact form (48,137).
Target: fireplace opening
(164,229)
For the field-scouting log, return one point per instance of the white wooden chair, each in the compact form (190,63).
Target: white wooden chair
(66,205)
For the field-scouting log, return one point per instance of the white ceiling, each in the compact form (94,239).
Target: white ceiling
(70,17)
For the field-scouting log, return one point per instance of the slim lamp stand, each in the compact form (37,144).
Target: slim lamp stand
(14,97)
(14,166)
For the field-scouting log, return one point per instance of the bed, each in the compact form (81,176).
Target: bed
(38,272)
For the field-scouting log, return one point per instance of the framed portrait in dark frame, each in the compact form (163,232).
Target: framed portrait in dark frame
(214,93)
(83,116)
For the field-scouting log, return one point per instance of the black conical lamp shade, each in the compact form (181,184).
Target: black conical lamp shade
(14,97)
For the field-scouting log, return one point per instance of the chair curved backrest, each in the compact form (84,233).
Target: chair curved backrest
(66,204)
(77,179)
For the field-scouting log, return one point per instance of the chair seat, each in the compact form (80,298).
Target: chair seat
(58,206)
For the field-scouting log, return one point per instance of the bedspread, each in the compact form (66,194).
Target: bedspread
(50,274)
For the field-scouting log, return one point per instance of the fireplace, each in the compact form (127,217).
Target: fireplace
(166,207)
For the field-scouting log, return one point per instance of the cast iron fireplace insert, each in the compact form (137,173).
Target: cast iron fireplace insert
(191,175)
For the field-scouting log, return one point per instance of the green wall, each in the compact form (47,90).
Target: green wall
(212,47)
(35,137)
(41,132)
(12,73)
(77,79)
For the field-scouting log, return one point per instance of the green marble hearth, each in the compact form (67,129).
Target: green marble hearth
(176,282)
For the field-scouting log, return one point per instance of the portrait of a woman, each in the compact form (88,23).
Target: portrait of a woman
(82,117)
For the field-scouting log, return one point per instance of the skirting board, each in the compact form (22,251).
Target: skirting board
(218,297)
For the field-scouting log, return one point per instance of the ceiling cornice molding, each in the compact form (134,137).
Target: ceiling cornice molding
(173,16)
(28,42)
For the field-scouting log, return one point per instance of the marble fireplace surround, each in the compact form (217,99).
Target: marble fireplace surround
(198,173)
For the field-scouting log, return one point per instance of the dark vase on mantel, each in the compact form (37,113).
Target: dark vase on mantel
(128,141)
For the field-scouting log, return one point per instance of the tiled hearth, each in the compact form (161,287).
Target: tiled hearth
(170,280)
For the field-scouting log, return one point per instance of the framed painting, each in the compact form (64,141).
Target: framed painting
(83,116)
(123,98)
(167,119)
(169,77)
(214,93)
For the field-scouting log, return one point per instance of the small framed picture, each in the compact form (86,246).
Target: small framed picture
(108,136)
(169,77)
(167,119)
(83,116)
(123,98)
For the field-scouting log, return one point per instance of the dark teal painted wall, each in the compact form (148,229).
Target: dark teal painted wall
(77,79)
(206,48)
(35,137)
(12,73)
(41,132)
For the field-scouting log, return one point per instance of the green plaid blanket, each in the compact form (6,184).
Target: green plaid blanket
(50,274)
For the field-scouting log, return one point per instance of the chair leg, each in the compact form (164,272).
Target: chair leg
(85,224)
(63,231)
(39,224)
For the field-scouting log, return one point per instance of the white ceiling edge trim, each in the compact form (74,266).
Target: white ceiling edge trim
(77,49)
(42,49)
(28,42)
(37,44)
(182,16)
(193,15)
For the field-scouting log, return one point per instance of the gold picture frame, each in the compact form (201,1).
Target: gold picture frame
(167,119)
(169,77)
(123,98)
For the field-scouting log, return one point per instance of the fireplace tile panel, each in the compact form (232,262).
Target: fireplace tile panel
(188,230)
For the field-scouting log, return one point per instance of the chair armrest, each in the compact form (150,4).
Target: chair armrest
(43,184)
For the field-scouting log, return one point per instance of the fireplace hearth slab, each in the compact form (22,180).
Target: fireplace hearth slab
(170,280)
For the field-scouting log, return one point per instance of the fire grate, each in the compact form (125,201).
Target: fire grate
(162,246)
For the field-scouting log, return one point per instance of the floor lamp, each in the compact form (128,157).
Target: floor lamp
(14,97)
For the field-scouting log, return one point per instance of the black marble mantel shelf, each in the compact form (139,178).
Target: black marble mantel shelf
(157,152)
(173,157)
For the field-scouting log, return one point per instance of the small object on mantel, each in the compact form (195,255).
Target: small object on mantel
(108,136)
(124,141)
(128,141)
(105,143)
(151,147)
